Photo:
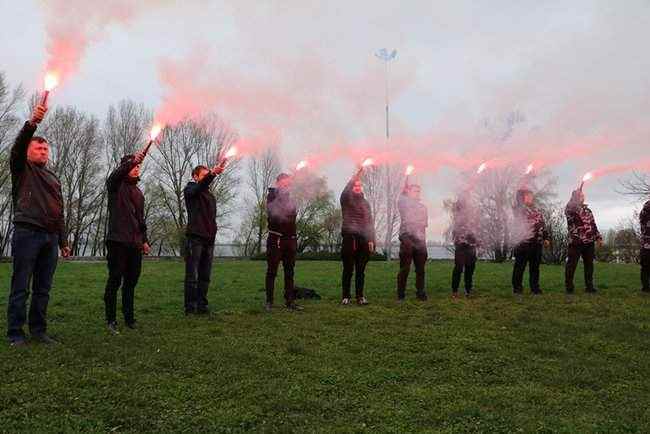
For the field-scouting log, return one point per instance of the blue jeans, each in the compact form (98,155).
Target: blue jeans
(35,254)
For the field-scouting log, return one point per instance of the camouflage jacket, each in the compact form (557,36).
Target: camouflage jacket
(530,224)
(462,232)
(581,224)
(644,219)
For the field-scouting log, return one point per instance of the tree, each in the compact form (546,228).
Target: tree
(393,181)
(556,227)
(263,168)
(314,204)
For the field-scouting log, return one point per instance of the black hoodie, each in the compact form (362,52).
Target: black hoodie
(644,220)
(35,190)
(201,209)
(281,212)
(357,216)
(126,222)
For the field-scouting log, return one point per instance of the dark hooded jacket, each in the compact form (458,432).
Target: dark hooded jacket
(35,190)
(644,220)
(281,213)
(201,209)
(580,223)
(357,216)
(414,217)
(126,223)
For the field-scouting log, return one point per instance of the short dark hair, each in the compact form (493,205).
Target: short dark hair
(39,139)
(282,176)
(198,169)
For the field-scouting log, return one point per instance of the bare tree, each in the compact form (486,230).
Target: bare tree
(375,193)
(556,227)
(263,168)
(393,180)
(638,186)
(314,204)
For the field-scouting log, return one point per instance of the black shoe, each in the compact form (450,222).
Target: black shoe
(537,292)
(17,341)
(454,294)
(468,293)
(43,338)
(132,325)
(203,311)
(645,290)
(421,296)
(268,307)
(518,291)
(190,311)
(294,307)
(591,291)
(400,300)
(112,327)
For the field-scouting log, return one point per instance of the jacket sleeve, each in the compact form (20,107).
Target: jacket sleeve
(270,197)
(118,175)
(194,188)
(19,149)
(644,215)
(346,195)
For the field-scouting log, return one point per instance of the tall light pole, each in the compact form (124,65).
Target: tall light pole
(386,56)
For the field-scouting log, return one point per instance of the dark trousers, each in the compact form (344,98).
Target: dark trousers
(464,261)
(35,255)
(280,250)
(531,254)
(574,252)
(415,251)
(199,254)
(645,269)
(124,266)
(355,254)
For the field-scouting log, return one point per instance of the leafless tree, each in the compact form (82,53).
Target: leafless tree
(263,168)
(393,182)
(375,193)
(638,186)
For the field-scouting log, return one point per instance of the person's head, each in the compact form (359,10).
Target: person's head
(413,191)
(578,197)
(525,197)
(38,151)
(134,173)
(199,173)
(283,181)
(357,187)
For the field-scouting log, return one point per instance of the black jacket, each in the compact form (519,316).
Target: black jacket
(281,213)
(35,190)
(201,209)
(357,216)
(414,217)
(644,220)
(126,222)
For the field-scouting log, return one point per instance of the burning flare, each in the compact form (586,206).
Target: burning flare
(588,176)
(231,152)
(481,168)
(301,165)
(529,168)
(367,162)
(155,131)
(51,81)
(409,169)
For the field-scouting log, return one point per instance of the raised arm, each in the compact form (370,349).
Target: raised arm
(194,188)
(19,149)
(122,171)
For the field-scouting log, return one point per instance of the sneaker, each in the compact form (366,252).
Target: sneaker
(43,338)
(132,325)
(361,301)
(468,293)
(17,341)
(421,297)
(454,294)
(112,327)
(345,301)
(294,307)
(268,307)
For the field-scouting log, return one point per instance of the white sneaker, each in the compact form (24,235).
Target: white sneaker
(362,301)
(345,301)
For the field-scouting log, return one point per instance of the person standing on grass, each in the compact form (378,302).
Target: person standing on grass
(358,234)
(465,244)
(39,232)
(281,243)
(644,220)
(532,240)
(126,239)
(200,235)
(583,235)
(412,235)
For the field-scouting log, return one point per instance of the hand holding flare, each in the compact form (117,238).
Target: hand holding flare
(153,135)
(588,176)
(51,81)
(366,163)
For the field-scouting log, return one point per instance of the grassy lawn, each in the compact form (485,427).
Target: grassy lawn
(487,364)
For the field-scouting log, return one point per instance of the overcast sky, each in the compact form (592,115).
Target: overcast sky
(578,72)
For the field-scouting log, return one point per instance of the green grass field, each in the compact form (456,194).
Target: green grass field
(487,364)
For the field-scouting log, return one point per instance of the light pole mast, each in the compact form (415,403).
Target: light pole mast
(386,57)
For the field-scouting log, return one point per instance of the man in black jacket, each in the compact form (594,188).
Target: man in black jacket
(644,220)
(39,231)
(358,232)
(200,235)
(281,243)
(583,235)
(412,235)
(126,238)
(532,236)
(464,221)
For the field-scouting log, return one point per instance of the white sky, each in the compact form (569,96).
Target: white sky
(577,71)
